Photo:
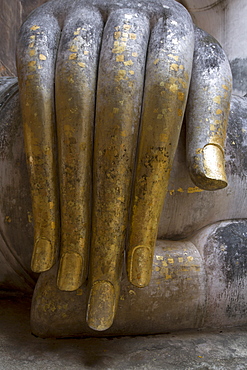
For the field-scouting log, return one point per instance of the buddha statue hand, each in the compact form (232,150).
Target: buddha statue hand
(103,91)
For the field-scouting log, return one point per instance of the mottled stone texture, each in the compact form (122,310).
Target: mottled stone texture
(12,14)
(10,21)
(29,5)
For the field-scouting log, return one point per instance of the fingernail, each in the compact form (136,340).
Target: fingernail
(214,166)
(101,306)
(70,271)
(141,266)
(43,255)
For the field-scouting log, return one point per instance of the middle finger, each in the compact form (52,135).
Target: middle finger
(119,96)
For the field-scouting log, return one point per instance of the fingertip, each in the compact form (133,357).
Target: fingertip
(43,255)
(208,171)
(140,266)
(101,306)
(214,165)
(70,273)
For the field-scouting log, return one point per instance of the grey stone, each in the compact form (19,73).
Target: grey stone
(211,350)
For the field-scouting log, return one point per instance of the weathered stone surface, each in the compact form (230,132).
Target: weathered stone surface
(29,5)
(15,273)
(12,14)
(177,288)
(239,73)
(225,259)
(10,22)
(188,290)
(202,350)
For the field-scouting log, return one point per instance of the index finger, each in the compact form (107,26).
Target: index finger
(167,80)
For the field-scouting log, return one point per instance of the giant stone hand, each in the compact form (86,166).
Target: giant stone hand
(103,89)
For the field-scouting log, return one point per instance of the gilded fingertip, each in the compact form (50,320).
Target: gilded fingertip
(214,166)
(101,306)
(43,255)
(140,266)
(70,271)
